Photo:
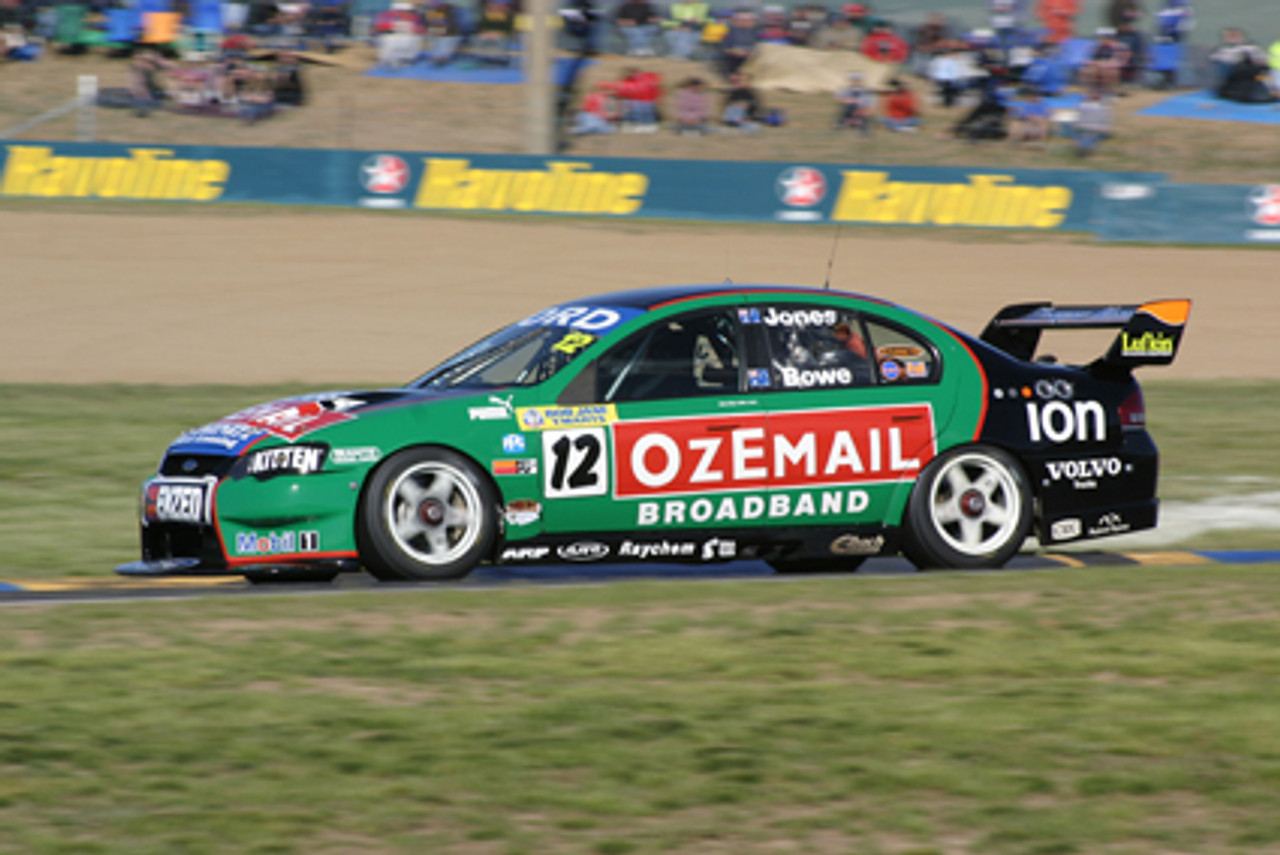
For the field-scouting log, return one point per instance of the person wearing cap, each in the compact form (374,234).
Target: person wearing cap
(862,17)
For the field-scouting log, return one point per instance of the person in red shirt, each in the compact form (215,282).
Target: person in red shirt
(1059,18)
(901,112)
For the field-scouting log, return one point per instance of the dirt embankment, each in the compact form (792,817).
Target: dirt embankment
(328,297)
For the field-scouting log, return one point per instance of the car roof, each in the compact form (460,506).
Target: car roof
(653,298)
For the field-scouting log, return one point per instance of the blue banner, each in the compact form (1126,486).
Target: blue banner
(1197,213)
(596,187)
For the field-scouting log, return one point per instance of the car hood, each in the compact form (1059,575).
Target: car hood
(289,419)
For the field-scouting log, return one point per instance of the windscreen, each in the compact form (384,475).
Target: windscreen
(528,352)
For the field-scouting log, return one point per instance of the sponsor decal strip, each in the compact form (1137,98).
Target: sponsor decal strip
(752,451)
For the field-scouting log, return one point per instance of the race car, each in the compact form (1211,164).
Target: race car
(804,427)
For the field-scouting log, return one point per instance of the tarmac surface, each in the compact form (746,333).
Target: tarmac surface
(92,589)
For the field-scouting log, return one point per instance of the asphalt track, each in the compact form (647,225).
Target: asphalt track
(128,588)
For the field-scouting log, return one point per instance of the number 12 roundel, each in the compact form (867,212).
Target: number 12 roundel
(575,463)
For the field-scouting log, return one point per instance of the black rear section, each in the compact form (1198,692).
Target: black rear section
(1080,431)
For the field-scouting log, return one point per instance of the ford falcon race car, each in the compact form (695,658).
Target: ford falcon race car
(807,428)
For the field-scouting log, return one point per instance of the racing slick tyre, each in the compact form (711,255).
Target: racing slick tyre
(970,508)
(426,514)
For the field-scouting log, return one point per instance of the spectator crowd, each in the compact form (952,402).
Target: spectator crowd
(1003,77)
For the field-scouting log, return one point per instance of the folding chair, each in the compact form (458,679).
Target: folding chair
(71,32)
(204,30)
(124,28)
(1165,63)
(161,28)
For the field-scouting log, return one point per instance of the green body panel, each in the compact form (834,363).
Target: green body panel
(512,436)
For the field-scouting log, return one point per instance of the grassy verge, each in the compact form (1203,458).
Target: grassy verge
(72,458)
(1092,711)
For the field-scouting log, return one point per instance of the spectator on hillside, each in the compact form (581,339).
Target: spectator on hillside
(494,31)
(443,31)
(775,26)
(288,86)
(1102,73)
(1093,125)
(264,20)
(330,22)
(742,108)
(986,121)
(684,24)
(1234,51)
(1003,21)
(144,81)
(839,34)
(1059,19)
(1123,13)
(257,98)
(1175,21)
(637,20)
(901,112)
(1125,17)
(738,43)
(806,22)
(857,105)
(692,107)
(638,91)
(598,113)
(930,39)
(1248,82)
(14,44)
(951,75)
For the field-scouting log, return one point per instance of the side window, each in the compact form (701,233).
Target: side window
(815,347)
(681,357)
(901,356)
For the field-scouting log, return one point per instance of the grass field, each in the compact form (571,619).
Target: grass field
(1056,712)
(72,459)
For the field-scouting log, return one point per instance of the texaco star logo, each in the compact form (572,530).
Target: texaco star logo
(1266,204)
(384,173)
(802,186)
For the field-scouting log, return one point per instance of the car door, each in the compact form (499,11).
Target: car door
(680,439)
(852,401)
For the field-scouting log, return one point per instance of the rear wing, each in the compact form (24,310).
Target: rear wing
(1149,333)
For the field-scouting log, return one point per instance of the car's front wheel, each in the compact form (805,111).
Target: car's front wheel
(970,508)
(427,514)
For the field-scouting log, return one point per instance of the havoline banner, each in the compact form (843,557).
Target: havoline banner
(942,197)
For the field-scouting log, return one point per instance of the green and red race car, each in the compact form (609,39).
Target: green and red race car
(806,428)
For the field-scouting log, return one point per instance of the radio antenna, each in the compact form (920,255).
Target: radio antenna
(826,286)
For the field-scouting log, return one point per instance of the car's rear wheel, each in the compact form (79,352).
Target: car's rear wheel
(427,514)
(970,508)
